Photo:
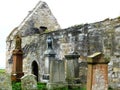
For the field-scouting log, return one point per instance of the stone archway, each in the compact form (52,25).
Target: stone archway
(35,69)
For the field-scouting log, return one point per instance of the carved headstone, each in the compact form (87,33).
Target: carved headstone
(17,69)
(28,82)
(97,78)
(72,68)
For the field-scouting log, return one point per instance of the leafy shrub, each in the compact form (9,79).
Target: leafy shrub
(16,86)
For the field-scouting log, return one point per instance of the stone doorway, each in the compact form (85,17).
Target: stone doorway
(35,69)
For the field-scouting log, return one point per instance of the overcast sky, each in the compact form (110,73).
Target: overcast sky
(67,13)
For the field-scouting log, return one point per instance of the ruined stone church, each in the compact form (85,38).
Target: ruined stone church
(83,39)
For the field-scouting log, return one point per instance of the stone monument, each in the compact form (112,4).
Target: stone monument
(17,71)
(72,67)
(28,82)
(5,82)
(97,78)
(54,68)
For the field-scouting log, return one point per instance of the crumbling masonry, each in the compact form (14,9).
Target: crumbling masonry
(85,39)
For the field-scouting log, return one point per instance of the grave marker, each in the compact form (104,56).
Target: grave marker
(5,82)
(28,82)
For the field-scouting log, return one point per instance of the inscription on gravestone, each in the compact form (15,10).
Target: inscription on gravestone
(46,77)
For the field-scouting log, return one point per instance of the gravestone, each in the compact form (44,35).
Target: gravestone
(72,68)
(5,82)
(28,82)
(49,55)
(54,68)
(57,74)
(97,78)
(17,71)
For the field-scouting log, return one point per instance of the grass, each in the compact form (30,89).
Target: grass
(2,70)
(42,86)
(16,86)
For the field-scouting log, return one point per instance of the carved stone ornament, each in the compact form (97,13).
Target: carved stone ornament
(18,42)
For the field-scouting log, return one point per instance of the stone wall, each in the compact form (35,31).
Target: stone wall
(40,16)
(84,39)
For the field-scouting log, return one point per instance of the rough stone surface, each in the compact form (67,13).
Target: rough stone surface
(97,77)
(40,16)
(57,74)
(100,81)
(72,68)
(86,39)
(5,82)
(28,82)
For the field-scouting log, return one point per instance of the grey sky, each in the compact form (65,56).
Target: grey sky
(67,12)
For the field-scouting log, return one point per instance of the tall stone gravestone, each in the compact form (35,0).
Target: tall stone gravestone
(97,78)
(72,68)
(57,74)
(17,71)
(5,82)
(28,82)
(55,68)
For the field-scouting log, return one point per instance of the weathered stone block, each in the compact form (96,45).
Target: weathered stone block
(28,82)
(97,77)
(5,82)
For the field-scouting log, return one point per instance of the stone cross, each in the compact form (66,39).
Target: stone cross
(97,78)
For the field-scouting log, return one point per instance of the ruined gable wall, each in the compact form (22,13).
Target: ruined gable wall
(41,15)
(85,39)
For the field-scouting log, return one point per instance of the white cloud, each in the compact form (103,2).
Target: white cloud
(67,12)
(2,60)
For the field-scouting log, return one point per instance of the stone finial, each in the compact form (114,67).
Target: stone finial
(49,51)
(18,42)
(49,42)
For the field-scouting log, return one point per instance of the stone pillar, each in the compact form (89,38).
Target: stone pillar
(72,67)
(17,70)
(49,56)
(54,68)
(97,78)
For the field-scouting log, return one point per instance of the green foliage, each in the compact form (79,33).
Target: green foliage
(16,86)
(78,88)
(41,86)
(110,88)
(83,88)
(61,88)
(47,31)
